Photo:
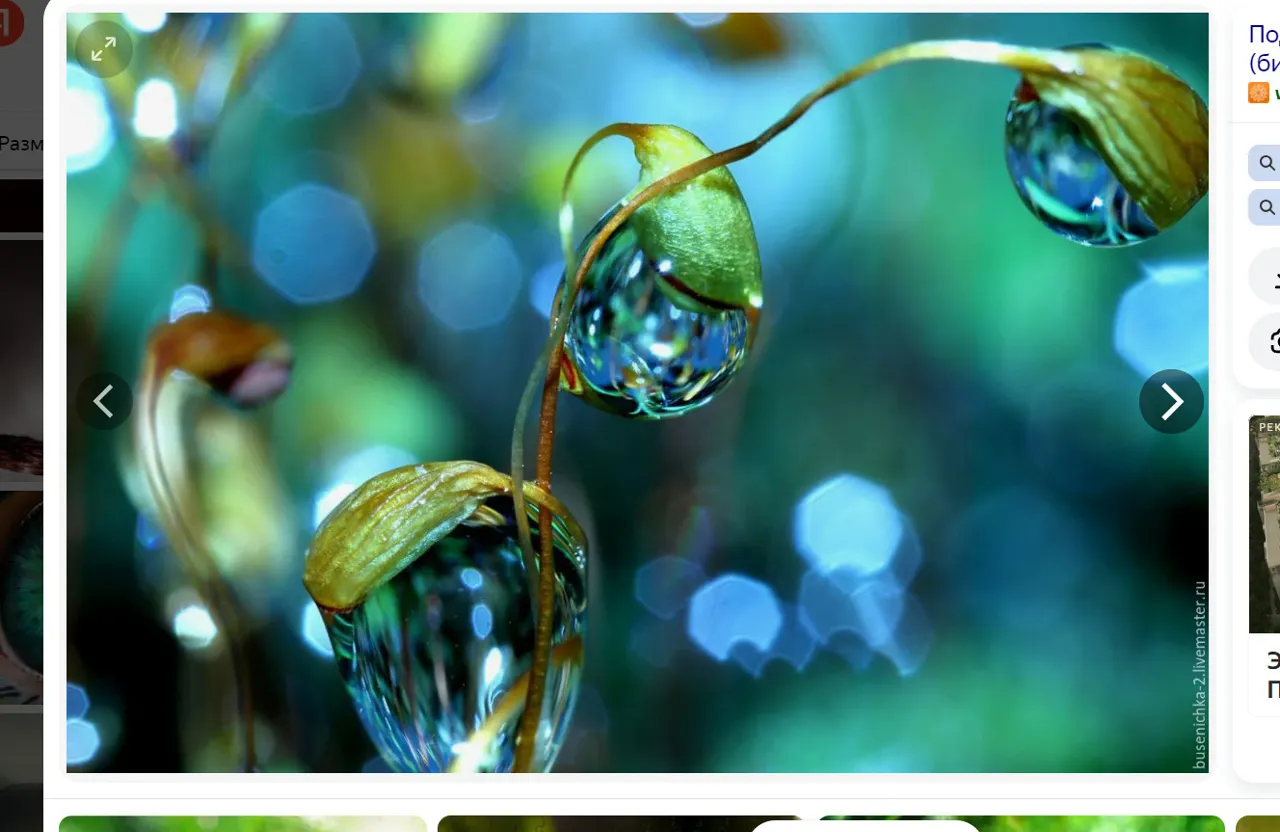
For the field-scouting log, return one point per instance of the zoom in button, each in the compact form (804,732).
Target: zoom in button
(104,48)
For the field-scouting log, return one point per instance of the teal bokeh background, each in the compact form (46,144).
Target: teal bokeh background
(942,400)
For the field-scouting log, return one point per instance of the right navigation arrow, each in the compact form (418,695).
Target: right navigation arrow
(1177,402)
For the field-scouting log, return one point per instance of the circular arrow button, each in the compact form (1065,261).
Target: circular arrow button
(1171,401)
(104,48)
(104,401)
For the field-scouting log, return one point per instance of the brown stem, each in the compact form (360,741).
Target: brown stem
(207,580)
(545,608)
(21,454)
(220,596)
(969,51)
(219,244)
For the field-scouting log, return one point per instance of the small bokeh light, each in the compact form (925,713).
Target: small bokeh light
(313,244)
(663,586)
(731,610)
(90,133)
(155,109)
(848,522)
(324,44)
(469,277)
(77,701)
(1162,321)
(83,741)
(194,627)
(145,21)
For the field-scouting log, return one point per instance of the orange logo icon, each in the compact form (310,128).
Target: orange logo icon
(1259,92)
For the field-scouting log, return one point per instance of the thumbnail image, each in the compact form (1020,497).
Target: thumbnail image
(21,771)
(248,824)
(1255,823)
(22,371)
(614,824)
(483,398)
(21,599)
(1079,823)
(1264,524)
(736,824)
(22,807)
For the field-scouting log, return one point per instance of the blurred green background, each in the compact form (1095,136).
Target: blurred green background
(588,824)
(738,824)
(942,398)
(247,824)
(630,824)
(1079,823)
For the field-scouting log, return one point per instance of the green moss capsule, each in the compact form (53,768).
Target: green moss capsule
(668,308)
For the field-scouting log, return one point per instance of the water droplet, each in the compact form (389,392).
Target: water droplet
(1063,179)
(639,342)
(436,659)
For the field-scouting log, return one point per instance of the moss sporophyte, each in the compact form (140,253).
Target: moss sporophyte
(454,594)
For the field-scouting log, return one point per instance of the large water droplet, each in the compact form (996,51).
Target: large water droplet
(437,659)
(1063,179)
(639,343)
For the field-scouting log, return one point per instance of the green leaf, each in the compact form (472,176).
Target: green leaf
(1150,127)
(702,224)
(391,520)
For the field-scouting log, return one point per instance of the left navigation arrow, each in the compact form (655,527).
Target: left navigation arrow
(104,401)
(98,400)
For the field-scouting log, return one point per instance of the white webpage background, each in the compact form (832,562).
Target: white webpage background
(1238,745)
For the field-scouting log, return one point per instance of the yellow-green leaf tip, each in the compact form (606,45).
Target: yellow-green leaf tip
(388,522)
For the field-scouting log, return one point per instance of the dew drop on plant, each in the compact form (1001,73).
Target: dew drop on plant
(436,659)
(639,342)
(1063,179)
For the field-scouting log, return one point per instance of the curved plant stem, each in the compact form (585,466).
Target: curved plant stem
(160,163)
(540,566)
(544,608)
(201,570)
(981,52)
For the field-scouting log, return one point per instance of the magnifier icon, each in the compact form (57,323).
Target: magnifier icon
(1266,207)
(1267,163)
